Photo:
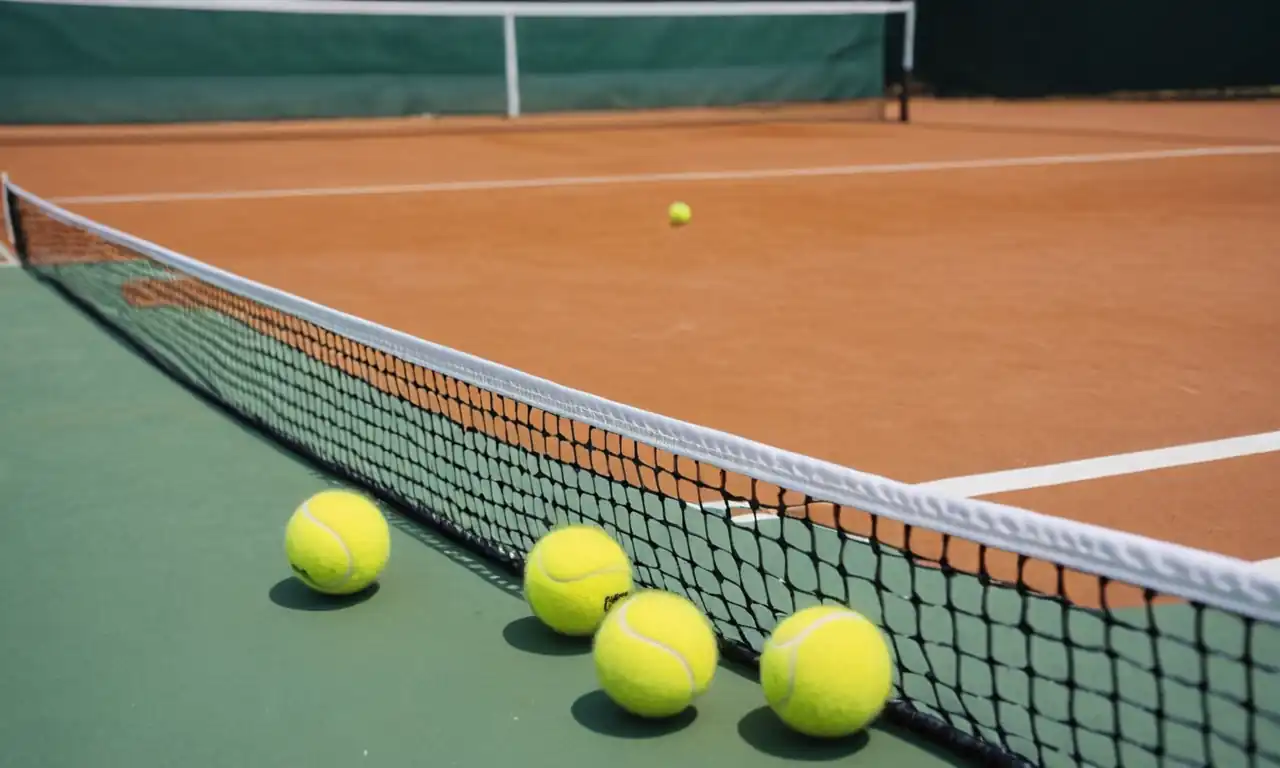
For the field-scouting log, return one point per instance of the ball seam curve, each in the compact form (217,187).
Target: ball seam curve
(792,647)
(346,577)
(684,663)
(537,562)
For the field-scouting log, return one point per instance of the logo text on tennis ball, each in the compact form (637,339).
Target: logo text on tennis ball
(571,577)
(612,600)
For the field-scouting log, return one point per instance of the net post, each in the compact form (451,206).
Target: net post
(4,205)
(10,230)
(908,62)
(511,57)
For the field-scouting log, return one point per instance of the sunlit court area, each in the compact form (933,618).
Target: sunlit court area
(639,383)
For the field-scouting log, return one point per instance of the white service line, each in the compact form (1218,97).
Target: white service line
(753,518)
(1105,466)
(750,518)
(719,505)
(678,176)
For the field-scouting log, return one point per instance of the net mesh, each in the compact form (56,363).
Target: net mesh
(1011,659)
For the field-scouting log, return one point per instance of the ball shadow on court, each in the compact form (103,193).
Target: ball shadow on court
(530,635)
(596,712)
(762,729)
(293,594)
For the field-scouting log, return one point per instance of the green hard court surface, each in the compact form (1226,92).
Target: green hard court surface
(158,622)
(149,617)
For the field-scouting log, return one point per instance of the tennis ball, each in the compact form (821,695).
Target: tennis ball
(573,577)
(826,671)
(655,653)
(338,542)
(679,213)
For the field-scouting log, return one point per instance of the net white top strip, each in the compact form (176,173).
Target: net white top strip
(522,9)
(1217,580)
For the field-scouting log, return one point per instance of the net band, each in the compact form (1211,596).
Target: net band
(614,10)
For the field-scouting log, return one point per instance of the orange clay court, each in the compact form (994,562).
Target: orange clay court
(994,287)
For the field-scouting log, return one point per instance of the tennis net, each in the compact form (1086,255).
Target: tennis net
(1019,638)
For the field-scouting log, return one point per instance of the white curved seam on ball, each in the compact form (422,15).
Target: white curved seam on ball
(589,574)
(792,648)
(306,510)
(815,625)
(688,670)
(791,675)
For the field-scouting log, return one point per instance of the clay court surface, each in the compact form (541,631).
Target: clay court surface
(991,287)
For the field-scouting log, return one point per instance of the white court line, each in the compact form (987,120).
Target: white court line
(1105,466)
(688,176)
(1113,466)
(1027,478)
(723,506)
(754,518)
(7,259)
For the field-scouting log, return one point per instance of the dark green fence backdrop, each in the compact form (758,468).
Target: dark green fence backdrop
(68,64)
(1020,48)
(65,64)
(75,64)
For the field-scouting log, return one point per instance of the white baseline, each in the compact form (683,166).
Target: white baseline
(759,174)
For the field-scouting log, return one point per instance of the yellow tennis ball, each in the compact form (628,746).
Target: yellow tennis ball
(679,213)
(826,671)
(573,577)
(338,542)
(655,653)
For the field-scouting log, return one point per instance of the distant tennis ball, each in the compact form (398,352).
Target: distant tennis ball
(655,653)
(338,542)
(826,671)
(573,577)
(679,213)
